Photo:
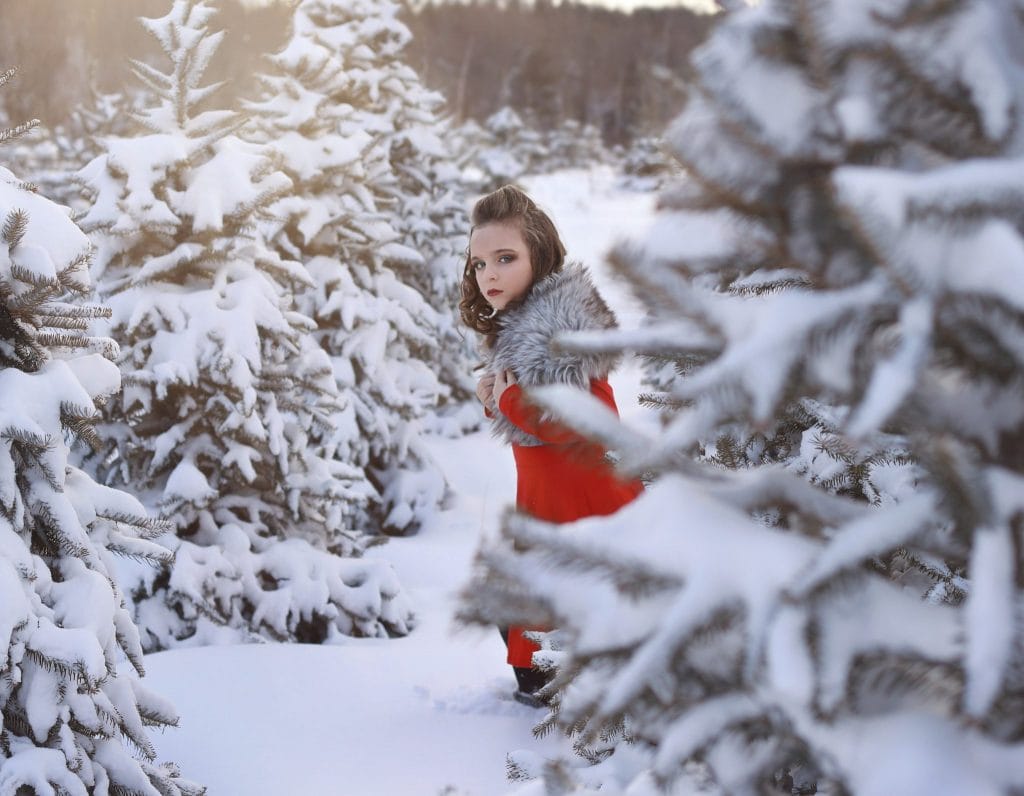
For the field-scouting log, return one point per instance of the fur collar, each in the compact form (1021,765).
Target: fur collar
(566,301)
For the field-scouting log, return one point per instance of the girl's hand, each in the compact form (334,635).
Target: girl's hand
(485,391)
(502,381)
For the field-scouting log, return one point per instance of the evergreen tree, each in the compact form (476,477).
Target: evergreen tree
(83,137)
(468,140)
(230,413)
(645,165)
(71,720)
(423,195)
(38,157)
(574,146)
(51,156)
(507,149)
(842,275)
(375,219)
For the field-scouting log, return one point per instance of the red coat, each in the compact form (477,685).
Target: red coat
(565,479)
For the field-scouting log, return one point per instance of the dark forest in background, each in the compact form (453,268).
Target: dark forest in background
(65,48)
(621,72)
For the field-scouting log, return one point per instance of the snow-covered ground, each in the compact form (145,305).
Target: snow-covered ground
(423,715)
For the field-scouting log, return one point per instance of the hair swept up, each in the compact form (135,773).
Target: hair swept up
(509,205)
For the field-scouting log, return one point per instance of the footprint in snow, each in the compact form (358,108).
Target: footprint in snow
(492,698)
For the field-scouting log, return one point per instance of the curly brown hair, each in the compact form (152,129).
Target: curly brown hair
(547,253)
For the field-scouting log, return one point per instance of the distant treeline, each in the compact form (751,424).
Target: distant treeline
(622,73)
(64,47)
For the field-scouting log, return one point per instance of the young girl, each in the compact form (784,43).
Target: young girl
(518,293)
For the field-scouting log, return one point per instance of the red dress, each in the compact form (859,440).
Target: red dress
(565,479)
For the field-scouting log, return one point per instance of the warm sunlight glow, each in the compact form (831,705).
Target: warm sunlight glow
(698,6)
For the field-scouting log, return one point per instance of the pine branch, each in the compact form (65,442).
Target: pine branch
(120,546)
(49,526)
(83,427)
(15,226)
(137,739)
(69,670)
(24,437)
(128,647)
(29,303)
(903,679)
(146,527)
(14,133)
(79,264)
(34,279)
(634,580)
(155,80)
(652,400)
(59,339)
(909,17)
(64,322)
(16,721)
(90,311)
(154,717)
(767,288)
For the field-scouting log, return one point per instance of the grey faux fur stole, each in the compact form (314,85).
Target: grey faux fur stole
(562,302)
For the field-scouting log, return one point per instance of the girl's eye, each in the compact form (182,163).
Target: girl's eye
(506,258)
(478,265)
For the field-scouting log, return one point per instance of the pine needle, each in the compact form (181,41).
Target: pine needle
(15,226)
(14,133)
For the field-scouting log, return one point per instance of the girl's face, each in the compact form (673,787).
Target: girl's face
(501,261)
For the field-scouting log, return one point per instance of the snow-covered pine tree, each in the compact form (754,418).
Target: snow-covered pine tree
(571,145)
(506,148)
(52,157)
(229,410)
(468,140)
(39,161)
(423,197)
(72,719)
(645,164)
(82,137)
(374,217)
(510,149)
(850,244)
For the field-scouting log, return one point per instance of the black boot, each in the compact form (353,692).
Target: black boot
(531,681)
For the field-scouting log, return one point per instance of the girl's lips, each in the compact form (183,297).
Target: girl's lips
(493,292)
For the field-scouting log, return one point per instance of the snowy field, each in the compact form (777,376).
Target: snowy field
(423,715)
